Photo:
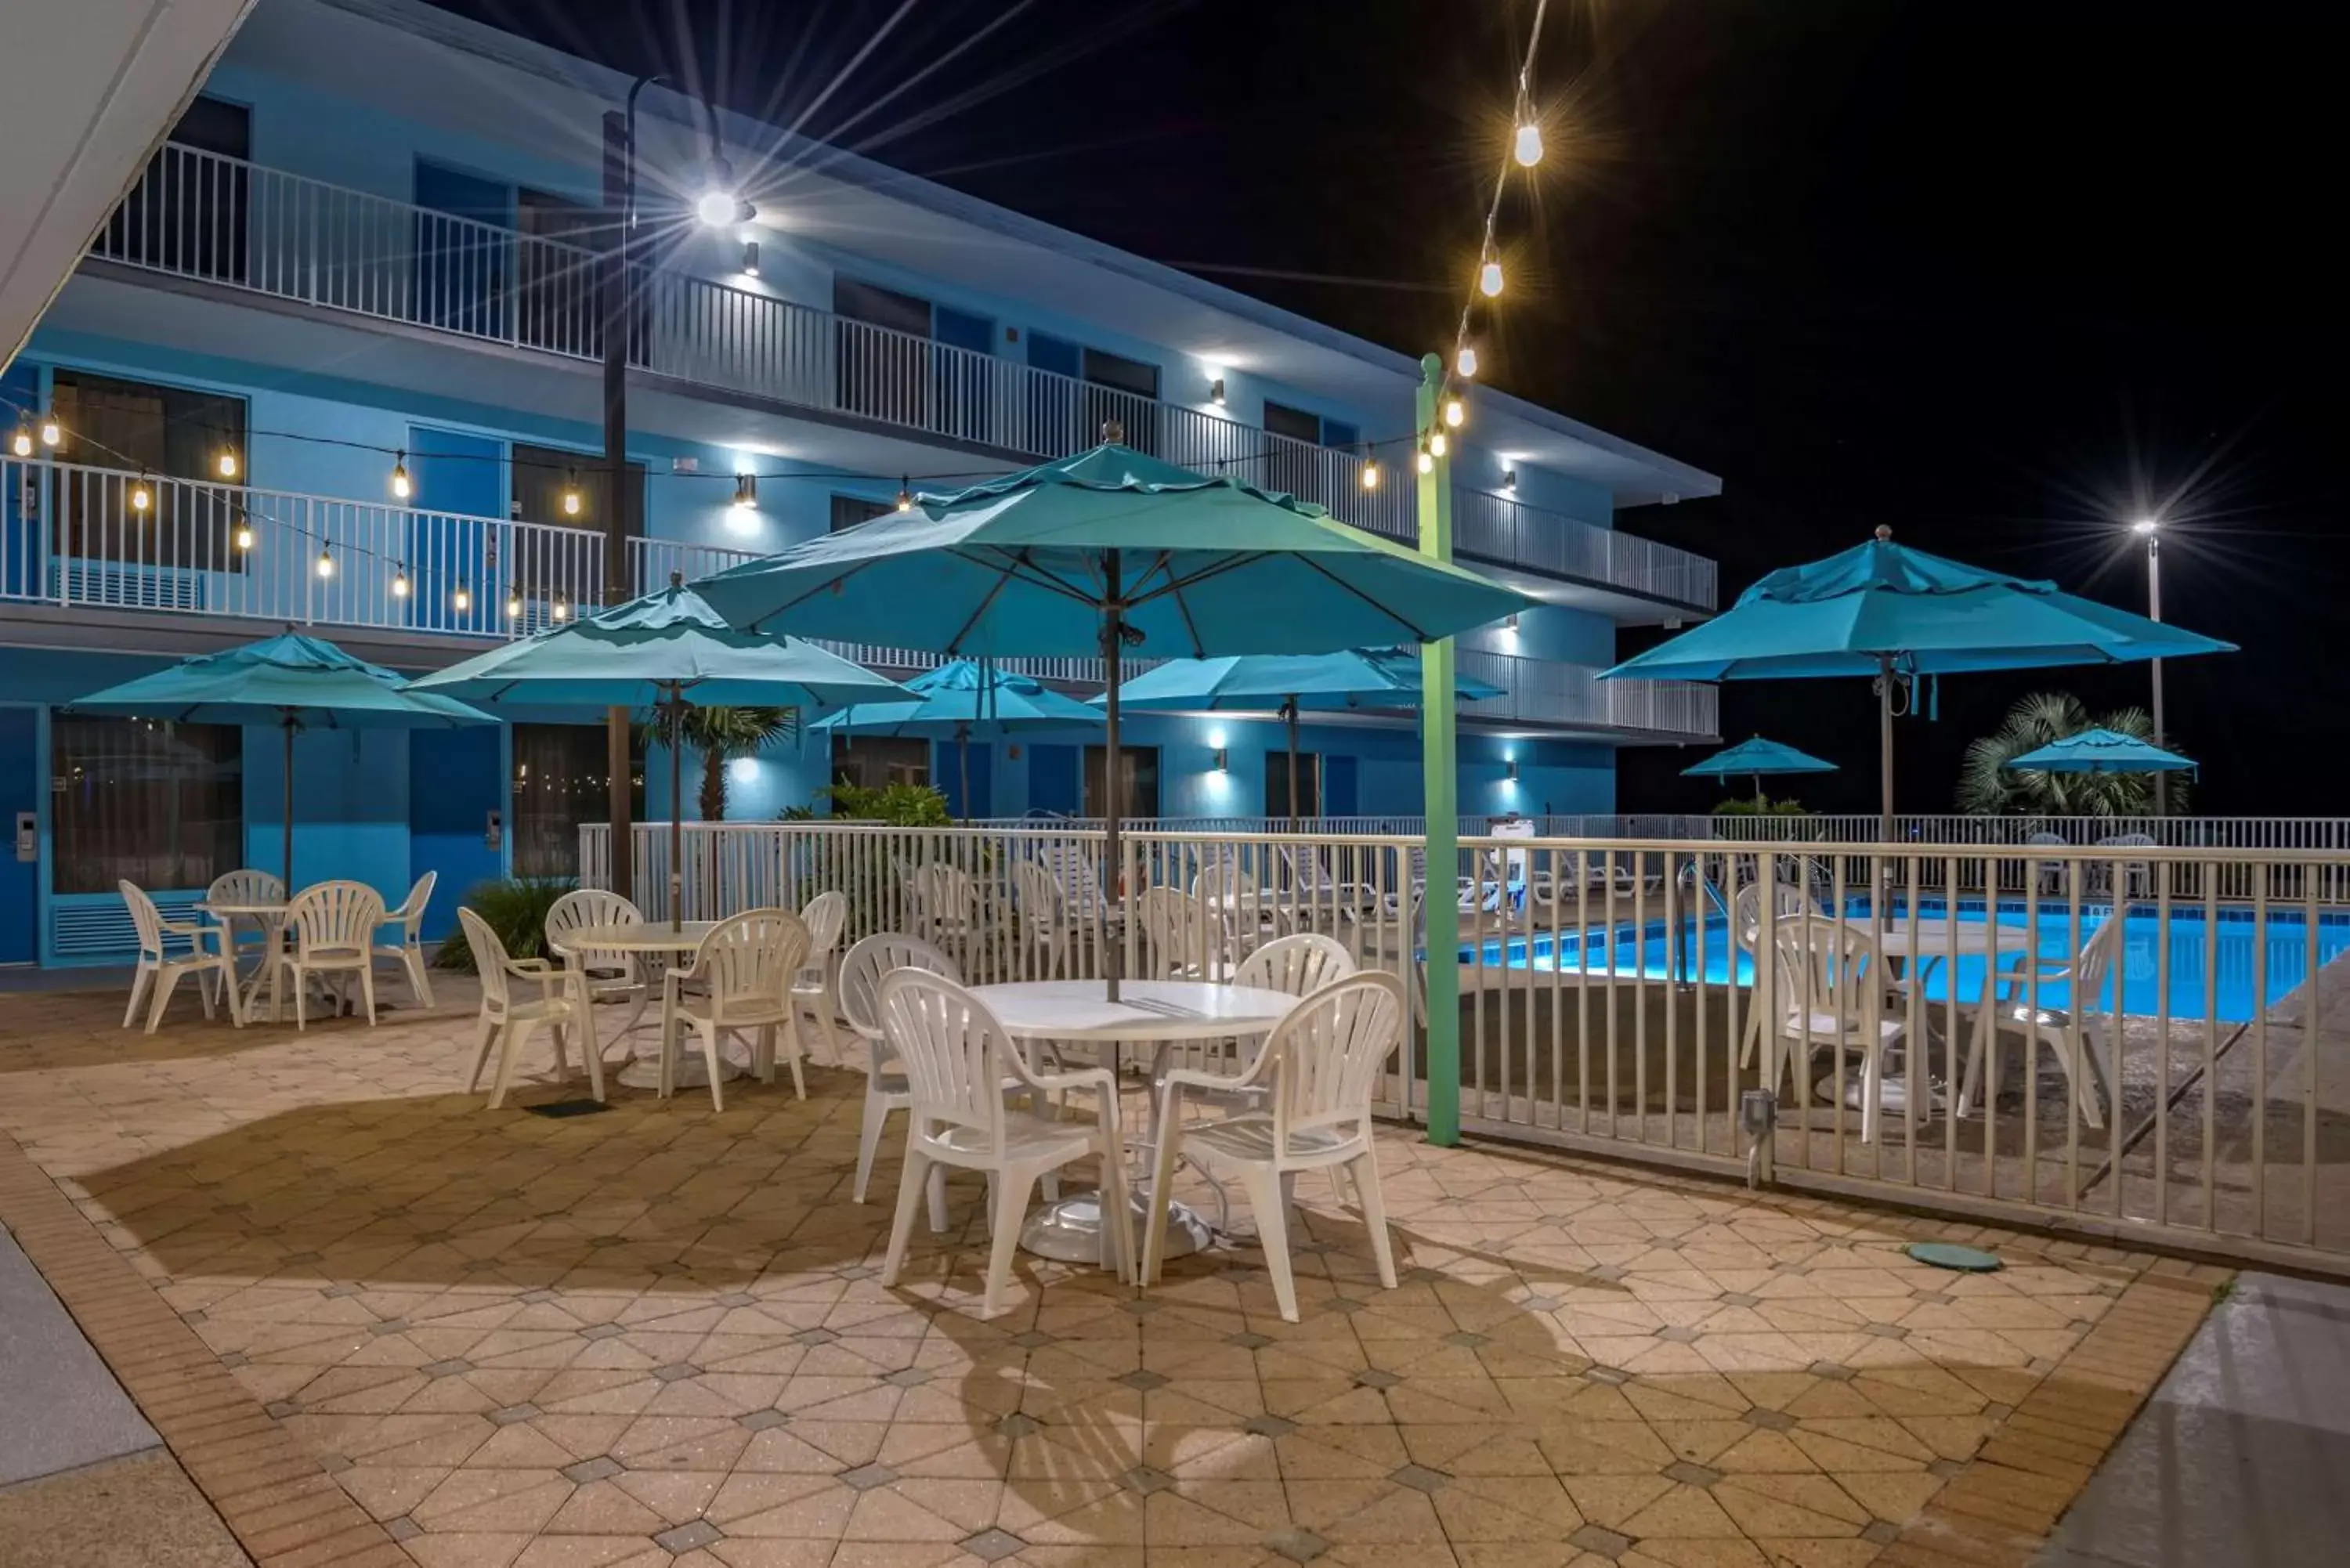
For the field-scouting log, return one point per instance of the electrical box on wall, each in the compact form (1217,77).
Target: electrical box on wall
(494,834)
(28,838)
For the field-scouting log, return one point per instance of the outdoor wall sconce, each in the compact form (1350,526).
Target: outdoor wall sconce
(746,492)
(1509,482)
(750,258)
(1223,761)
(1511,626)
(1509,772)
(1216,391)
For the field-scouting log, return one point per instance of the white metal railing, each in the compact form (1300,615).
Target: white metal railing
(1545,691)
(2120,1050)
(224,221)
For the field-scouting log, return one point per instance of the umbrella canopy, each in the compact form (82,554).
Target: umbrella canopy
(667,650)
(292,682)
(1883,610)
(2101,752)
(1354,678)
(1105,550)
(960,697)
(1755,758)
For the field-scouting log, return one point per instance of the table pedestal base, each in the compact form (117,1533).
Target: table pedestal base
(643,1072)
(1070,1231)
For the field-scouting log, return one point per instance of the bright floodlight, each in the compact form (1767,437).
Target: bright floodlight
(716,207)
(2146,526)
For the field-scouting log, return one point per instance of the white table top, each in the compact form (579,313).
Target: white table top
(228,909)
(1931,938)
(653,937)
(1150,1010)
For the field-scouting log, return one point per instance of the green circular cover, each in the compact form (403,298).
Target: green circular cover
(1950,1255)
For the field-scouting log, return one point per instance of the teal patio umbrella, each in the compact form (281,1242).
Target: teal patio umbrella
(665,652)
(1756,757)
(1104,551)
(292,682)
(1324,682)
(1895,614)
(2101,752)
(958,698)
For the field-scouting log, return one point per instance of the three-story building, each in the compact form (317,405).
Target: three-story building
(335,363)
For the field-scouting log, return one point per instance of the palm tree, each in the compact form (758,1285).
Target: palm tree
(1989,787)
(721,735)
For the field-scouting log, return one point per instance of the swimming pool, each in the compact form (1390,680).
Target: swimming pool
(2231,951)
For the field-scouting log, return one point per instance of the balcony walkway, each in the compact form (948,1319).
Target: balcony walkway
(379,1325)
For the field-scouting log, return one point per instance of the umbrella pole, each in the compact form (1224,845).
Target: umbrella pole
(962,765)
(676,806)
(1289,709)
(1884,749)
(1112,641)
(286,828)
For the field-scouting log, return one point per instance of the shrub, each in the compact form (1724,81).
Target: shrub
(513,907)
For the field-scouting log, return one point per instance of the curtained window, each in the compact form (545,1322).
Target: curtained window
(144,801)
(560,782)
(173,435)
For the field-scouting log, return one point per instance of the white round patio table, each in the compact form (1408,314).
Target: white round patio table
(1921,944)
(653,938)
(270,918)
(1161,1013)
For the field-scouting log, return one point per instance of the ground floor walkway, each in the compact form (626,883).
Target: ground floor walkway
(377,1324)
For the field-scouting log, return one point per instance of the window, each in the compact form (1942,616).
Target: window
(1294,470)
(1296,423)
(936,384)
(848,511)
(169,433)
(556,304)
(144,801)
(1276,783)
(187,213)
(1104,368)
(874,761)
(1138,781)
(560,780)
(1065,419)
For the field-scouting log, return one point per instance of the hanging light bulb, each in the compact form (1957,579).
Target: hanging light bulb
(1437,443)
(243,534)
(562,607)
(746,492)
(228,462)
(21,443)
(401,485)
(1427,458)
(1527,148)
(326,562)
(399,583)
(1465,362)
(1489,279)
(905,495)
(571,493)
(1455,410)
(51,432)
(1370,473)
(463,599)
(141,497)
(514,605)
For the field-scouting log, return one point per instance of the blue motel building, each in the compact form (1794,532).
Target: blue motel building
(335,363)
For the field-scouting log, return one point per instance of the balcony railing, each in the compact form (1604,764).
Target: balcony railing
(74,536)
(196,214)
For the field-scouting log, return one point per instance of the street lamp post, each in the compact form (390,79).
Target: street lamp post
(720,203)
(2152,528)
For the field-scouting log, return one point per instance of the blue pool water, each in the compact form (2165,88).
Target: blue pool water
(2229,950)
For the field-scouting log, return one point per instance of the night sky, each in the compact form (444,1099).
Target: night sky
(1999,276)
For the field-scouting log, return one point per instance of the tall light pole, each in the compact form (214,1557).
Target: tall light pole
(720,203)
(2151,527)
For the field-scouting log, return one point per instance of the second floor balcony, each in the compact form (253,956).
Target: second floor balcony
(90,556)
(226,224)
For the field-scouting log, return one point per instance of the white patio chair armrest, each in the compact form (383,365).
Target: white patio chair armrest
(529,966)
(1179,1078)
(1055,1083)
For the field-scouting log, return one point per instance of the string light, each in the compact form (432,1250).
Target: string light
(514,605)
(905,494)
(1465,362)
(401,485)
(243,534)
(1370,473)
(51,432)
(228,462)
(400,583)
(1455,410)
(1528,147)
(1489,279)
(22,442)
(1427,458)
(326,562)
(571,493)
(1437,445)
(463,599)
(562,607)
(141,497)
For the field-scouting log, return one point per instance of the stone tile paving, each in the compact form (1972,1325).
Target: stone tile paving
(656,1335)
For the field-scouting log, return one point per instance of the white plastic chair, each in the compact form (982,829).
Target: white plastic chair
(813,990)
(747,962)
(2050,874)
(862,969)
(407,949)
(2137,877)
(508,1022)
(1825,970)
(159,970)
(330,929)
(610,975)
(1746,933)
(957,1059)
(246,886)
(1323,1064)
(2083,977)
(1180,939)
(1054,941)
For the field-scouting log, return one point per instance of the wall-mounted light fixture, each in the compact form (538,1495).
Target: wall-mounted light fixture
(1510,771)
(1509,482)
(750,258)
(1216,391)
(1223,762)
(1511,626)
(746,492)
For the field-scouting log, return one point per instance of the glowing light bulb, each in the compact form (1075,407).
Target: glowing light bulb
(399,583)
(562,607)
(463,599)
(141,497)
(1427,460)
(1370,476)
(326,562)
(715,208)
(243,536)
(1437,445)
(1466,361)
(1489,279)
(905,495)
(1455,410)
(51,432)
(514,606)
(401,485)
(571,495)
(1527,148)
(227,463)
(21,443)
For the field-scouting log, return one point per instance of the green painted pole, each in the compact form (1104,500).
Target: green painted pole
(1441,790)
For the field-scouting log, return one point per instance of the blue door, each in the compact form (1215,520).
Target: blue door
(947,765)
(453,581)
(19,792)
(464,252)
(959,382)
(455,779)
(1338,792)
(1053,406)
(1053,780)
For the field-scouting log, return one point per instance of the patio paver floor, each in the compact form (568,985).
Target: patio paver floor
(657,1336)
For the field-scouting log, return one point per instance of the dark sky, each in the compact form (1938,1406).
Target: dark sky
(1998,274)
